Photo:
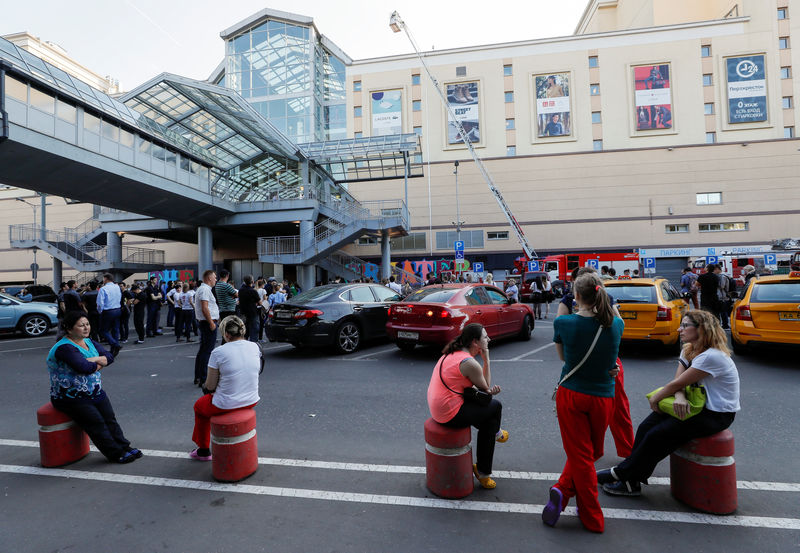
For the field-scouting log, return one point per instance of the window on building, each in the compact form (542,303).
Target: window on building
(367,241)
(497,235)
(415,79)
(597,145)
(672,229)
(358,134)
(508,70)
(708,108)
(788,132)
(472,239)
(414,241)
(356,86)
(510,125)
(596,118)
(711,138)
(416,105)
(783,13)
(509,97)
(786,72)
(707,80)
(594,89)
(786,101)
(723,227)
(709,198)
(705,51)
(594,61)
(418,131)
(783,42)
(357,111)
(417,158)
(16,89)
(511,151)
(461,71)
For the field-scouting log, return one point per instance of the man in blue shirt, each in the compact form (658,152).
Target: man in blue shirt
(108,306)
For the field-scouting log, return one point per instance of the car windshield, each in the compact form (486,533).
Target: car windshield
(432,295)
(778,292)
(315,294)
(8,296)
(627,293)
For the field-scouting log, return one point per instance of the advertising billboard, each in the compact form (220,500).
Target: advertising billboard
(652,97)
(387,112)
(463,100)
(747,89)
(552,104)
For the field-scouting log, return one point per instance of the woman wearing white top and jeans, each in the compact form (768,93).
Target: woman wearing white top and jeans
(705,359)
(232,383)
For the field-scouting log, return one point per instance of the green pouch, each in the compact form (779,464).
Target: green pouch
(695,395)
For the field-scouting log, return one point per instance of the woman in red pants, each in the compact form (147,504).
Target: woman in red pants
(232,383)
(588,343)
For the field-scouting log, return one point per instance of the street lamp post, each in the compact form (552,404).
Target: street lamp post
(458,222)
(33,206)
(42,231)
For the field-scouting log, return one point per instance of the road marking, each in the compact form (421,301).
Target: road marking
(387,350)
(518,357)
(411,469)
(517,360)
(24,349)
(176,344)
(404,501)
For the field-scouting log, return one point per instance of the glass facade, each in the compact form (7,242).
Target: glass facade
(286,73)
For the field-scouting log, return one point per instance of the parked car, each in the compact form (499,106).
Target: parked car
(768,313)
(651,307)
(436,314)
(525,293)
(341,315)
(40,292)
(33,318)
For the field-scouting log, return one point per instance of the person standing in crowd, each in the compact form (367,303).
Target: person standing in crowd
(109,299)
(154,296)
(537,297)
(262,306)
(232,383)
(512,291)
(723,293)
(396,288)
(456,371)
(172,307)
(490,279)
(60,301)
(248,305)
(588,343)
(139,303)
(89,299)
(207,313)
(709,290)
(76,389)
(748,272)
(705,359)
(689,285)
(277,296)
(124,313)
(176,291)
(612,272)
(604,273)
(185,316)
(226,296)
(72,302)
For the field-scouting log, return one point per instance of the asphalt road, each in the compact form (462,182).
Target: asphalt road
(342,461)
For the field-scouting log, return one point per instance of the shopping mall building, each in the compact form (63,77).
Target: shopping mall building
(667,125)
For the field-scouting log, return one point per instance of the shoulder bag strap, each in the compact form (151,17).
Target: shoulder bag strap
(442,378)
(585,357)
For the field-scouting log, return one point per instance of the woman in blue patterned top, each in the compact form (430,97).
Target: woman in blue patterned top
(74,363)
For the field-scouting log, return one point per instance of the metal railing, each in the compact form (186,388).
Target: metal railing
(142,256)
(357,265)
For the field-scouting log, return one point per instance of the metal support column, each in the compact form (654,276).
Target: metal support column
(305,273)
(205,250)
(114,255)
(58,273)
(386,255)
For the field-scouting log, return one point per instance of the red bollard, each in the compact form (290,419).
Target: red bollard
(448,460)
(234,448)
(703,474)
(61,441)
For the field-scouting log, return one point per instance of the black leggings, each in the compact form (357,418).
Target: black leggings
(486,418)
(97,419)
(660,434)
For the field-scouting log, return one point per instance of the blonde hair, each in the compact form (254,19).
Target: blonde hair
(593,294)
(710,331)
(233,326)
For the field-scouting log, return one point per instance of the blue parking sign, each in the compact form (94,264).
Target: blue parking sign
(477,267)
(649,262)
(711,259)
(770,260)
(593,263)
(459,245)
(533,266)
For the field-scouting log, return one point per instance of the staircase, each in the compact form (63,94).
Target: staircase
(350,267)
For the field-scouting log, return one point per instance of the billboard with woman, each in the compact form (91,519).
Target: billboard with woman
(652,97)
(553,113)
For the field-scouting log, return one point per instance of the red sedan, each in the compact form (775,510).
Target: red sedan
(437,314)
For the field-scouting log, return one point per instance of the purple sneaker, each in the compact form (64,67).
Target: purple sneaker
(194,455)
(552,511)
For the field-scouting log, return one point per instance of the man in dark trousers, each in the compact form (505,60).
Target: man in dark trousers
(248,305)
(709,287)
(90,302)
(154,297)
(139,310)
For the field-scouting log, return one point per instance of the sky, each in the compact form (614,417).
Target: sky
(135,40)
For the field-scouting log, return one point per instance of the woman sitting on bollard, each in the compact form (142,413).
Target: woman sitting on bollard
(76,390)
(452,404)
(588,343)
(705,359)
(232,383)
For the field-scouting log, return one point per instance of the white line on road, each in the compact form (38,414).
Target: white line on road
(404,501)
(518,357)
(24,349)
(364,356)
(409,469)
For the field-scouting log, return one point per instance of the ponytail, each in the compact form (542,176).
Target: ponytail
(593,294)
(471,332)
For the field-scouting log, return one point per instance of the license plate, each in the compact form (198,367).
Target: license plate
(789,315)
(283,314)
(628,314)
(408,335)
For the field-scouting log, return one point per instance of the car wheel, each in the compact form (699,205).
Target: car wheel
(739,349)
(34,325)
(527,328)
(348,337)
(406,346)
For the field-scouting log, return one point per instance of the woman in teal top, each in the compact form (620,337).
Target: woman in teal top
(74,363)
(589,340)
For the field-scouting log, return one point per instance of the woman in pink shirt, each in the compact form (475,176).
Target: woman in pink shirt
(456,371)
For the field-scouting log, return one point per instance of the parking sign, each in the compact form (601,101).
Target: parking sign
(771,261)
(649,262)
(593,263)
(459,254)
(711,259)
(533,266)
(477,267)
(459,245)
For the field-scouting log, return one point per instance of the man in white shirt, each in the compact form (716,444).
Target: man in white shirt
(396,288)
(207,313)
(109,304)
(512,291)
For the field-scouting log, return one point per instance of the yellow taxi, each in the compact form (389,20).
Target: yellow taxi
(651,307)
(768,313)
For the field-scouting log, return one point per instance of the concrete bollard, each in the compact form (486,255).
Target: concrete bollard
(448,460)
(703,474)
(234,447)
(61,440)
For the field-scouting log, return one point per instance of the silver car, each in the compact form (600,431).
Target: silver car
(32,318)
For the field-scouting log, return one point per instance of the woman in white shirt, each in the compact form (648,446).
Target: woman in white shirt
(232,383)
(705,360)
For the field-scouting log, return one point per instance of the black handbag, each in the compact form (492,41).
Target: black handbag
(471,394)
